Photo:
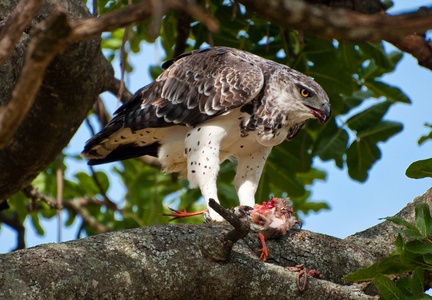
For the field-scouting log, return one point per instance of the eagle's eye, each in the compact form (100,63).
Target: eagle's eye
(304,92)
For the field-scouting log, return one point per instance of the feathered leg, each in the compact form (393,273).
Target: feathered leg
(202,152)
(249,170)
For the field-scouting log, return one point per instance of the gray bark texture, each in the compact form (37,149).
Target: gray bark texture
(175,262)
(71,84)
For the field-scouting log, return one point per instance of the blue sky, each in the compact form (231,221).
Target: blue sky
(354,206)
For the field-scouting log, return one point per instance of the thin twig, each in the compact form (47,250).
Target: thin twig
(268,36)
(209,34)
(183,28)
(59,177)
(90,127)
(76,206)
(95,9)
(123,61)
(107,200)
(12,220)
(114,88)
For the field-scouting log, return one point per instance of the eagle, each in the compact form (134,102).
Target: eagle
(207,106)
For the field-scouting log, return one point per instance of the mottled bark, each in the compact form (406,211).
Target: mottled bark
(174,262)
(70,86)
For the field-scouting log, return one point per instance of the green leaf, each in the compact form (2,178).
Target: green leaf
(155,71)
(424,138)
(335,79)
(355,100)
(392,93)
(389,265)
(413,260)
(380,132)
(331,143)
(402,222)
(36,224)
(399,245)
(387,288)
(308,178)
(417,282)
(350,56)
(428,259)
(420,169)
(368,117)
(418,247)
(423,219)
(409,233)
(361,155)
(377,53)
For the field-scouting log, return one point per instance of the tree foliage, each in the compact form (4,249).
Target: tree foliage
(412,256)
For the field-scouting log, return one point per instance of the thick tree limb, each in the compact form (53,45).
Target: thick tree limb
(71,83)
(88,28)
(154,262)
(40,52)
(363,24)
(134,264)
(12,30)
(338,23)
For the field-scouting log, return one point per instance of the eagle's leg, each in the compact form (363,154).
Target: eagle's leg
(202,152)
(264,250)
(178,214)
(249,169)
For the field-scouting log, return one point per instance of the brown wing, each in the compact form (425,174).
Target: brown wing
(197,86)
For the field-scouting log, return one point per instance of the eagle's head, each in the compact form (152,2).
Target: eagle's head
(300,97)
(315,100)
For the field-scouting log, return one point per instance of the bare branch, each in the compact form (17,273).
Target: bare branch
(59,179)
(114,89)
(75,206)
(344,24)
(107,201)
(183,28)
(220,248)
(87,28)
(14,27)
(13,221)
(418,47)
(339,23)
(41,50)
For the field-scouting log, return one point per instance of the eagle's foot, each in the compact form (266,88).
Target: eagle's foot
(177,214)
(264,250)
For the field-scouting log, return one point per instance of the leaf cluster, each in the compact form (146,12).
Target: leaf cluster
(413,256)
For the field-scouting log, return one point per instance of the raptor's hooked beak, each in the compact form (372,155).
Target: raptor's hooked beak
(322,114)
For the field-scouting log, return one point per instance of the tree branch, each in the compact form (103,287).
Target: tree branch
(135,261)
(352,21)
(13,221)
(12,31)
(91,27)
(41,50)
(339,23)
(76,206)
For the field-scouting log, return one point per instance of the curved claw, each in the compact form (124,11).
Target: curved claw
(177,214)
(242,211)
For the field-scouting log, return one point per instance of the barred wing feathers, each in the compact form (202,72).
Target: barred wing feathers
(195,87)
